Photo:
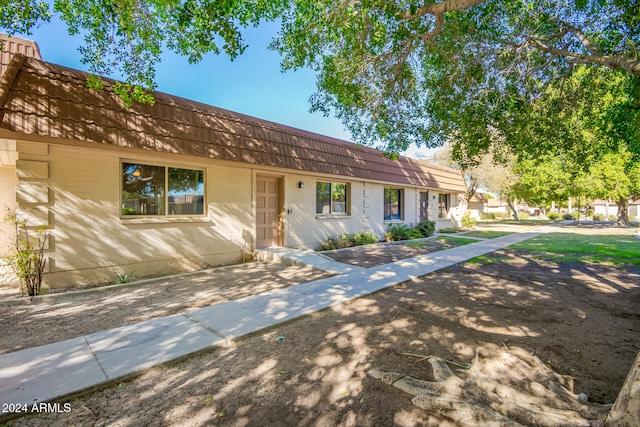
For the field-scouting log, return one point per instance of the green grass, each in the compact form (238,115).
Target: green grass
(487,234)
(567,247)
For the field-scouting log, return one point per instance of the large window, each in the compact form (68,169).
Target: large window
(393,204)
(150,190)
(331,198)
(443,205)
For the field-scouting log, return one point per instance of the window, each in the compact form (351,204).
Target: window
(160,190)
(443,205)
(393,204)
(331,198)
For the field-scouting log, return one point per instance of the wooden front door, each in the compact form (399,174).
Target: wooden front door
(424,206)
(266,211)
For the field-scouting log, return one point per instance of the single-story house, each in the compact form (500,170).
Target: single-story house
(609,208)
(180,185)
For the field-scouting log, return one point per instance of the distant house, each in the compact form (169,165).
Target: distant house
(180,185)
(609,208)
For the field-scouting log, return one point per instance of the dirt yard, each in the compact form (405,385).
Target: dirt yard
(581,320)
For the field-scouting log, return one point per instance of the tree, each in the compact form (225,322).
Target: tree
(616,177)
(396,73)
(127,37)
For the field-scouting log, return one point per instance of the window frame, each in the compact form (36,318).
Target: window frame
(347,200)
(166,215)
(391,217)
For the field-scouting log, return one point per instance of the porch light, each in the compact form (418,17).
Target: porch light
(301,184)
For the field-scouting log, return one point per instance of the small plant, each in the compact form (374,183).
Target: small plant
(448,230)
(402,232)
(598,217)
(488,215)
(28,261)
(553,215)
(426,228)
(468,223)
(568,217)
(347,240)
(125,276)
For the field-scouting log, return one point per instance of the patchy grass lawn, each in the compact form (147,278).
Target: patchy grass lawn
(487,234)
(569,247)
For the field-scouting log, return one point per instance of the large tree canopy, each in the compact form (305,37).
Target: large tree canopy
(396,73)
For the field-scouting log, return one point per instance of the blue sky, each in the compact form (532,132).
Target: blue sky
(253,84)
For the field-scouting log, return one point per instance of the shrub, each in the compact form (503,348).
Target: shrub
(402,232)
(448,230)
(612,218)
(426,228)
(488,215)
(28,261)
(598,217)
(553,215)
(347,240)
(524,215)
(590,212)
(468,223)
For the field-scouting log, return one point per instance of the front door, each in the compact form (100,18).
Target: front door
(266,211)
(424,206)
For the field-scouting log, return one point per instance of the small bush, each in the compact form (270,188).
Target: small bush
(590,212)
(28,260)
(468,223)
(524,215)
(402,232)
(348,240)
(568,217)
(448,230)
(612,218)
(426,228)
(553,215)
(488,215)
(598,217)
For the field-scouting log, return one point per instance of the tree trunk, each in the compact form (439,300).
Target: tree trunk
(623,213)
(513,209)
(626,409)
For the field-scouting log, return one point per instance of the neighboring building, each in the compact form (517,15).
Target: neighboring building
(609,208)
(181,185)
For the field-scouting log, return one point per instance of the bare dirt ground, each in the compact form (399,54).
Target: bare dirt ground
(580,319)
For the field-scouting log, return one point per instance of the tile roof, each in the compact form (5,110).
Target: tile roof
(43,99)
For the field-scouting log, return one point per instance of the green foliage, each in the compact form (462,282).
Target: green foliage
(553,215)
(598,217)
(28,260)
(404,232)
(448,230)
(487,234)
(468,223)
(426,228)
(347,240)
(125,276)
(568,247)
(568,217)
(488,215)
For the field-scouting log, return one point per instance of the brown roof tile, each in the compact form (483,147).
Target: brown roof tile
(50,100)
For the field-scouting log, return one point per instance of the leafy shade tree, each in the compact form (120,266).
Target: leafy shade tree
(127,37)
(396,73)
(401,73)
(616,177)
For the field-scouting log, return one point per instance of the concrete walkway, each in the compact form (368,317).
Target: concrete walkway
(52,371)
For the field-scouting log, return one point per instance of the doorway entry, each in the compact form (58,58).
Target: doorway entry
(268,218)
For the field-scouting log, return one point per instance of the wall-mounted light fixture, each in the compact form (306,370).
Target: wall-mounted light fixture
(301,184)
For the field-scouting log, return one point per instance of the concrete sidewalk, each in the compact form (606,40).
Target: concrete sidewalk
(52,371)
